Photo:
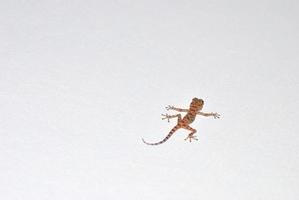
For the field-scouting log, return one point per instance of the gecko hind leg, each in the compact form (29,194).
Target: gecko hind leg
(191,135)
(166,116)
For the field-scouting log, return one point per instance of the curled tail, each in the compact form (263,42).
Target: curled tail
(166,138)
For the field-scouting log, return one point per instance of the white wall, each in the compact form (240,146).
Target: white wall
(81,82)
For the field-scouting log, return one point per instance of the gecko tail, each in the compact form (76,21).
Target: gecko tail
(165,139)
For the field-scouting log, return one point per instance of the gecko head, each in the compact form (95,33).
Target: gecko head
(197,103)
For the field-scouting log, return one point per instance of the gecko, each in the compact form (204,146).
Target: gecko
(195,108)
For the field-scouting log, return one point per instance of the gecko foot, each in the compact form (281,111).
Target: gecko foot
(166,116)
(216,115)
(190,137)
(169,107)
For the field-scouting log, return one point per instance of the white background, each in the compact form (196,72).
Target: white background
(81,82)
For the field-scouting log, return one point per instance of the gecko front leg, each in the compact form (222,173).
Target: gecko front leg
(215,115)
(166,116)
(176,109)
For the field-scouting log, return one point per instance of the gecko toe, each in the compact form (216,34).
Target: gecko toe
(190,137)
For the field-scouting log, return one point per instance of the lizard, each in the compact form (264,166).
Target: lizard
(195,108)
